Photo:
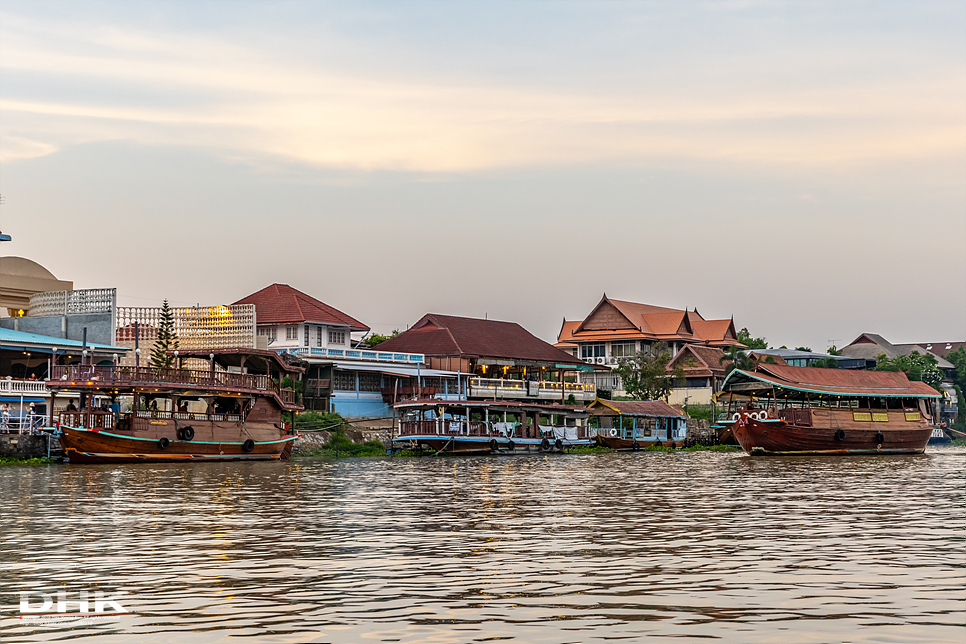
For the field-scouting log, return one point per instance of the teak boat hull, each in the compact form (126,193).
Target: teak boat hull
(98,446)
(759,437)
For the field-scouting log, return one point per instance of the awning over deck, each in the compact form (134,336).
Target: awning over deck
(803,381)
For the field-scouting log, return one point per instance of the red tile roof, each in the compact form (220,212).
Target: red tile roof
(449,335)
(707,361)
(282,304)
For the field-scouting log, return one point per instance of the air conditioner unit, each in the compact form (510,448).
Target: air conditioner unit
(611,360)
(600,360)
(589,360)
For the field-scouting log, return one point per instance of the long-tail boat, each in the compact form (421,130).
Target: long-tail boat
(498,427)
(237,400)
(806,410)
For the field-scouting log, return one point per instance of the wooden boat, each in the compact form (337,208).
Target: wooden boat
(805,410)
(241,417)
(636,424)
(498,427)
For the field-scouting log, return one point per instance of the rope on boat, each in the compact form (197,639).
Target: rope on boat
(443,447)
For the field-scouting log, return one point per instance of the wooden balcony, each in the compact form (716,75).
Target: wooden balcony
(406,393)
(531,390)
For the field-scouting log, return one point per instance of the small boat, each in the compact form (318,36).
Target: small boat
(806,410)
(237,410)
(497,427)
(939,437)
(636,424)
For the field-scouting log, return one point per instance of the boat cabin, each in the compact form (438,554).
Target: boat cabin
(640,420)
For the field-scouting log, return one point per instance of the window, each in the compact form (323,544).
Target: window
(306,334)
(336,337)
(344,381)
(370,381)
(291,333)
(269,332)
(318,336)
(622,349)
(592,351)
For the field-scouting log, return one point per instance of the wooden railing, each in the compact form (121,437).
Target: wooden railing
(482,429)
(395,394)
(116,376)
(88,419)
(801,417)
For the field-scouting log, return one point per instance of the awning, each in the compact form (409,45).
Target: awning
(397,370)
(18,399)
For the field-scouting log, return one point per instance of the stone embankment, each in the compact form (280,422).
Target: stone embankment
(27,445)
(310,441)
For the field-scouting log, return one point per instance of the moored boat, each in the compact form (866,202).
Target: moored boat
(636,424)
(806,410)
(499,427)
(178,415)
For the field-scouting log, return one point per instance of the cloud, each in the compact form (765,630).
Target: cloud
(251,102)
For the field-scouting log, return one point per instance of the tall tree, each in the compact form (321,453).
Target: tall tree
(645,376)
(737,359)
(167,340)
(375,339)
(744,337)
(916,366)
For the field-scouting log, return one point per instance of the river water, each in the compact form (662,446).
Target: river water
(694,547)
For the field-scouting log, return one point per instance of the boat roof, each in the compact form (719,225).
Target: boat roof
(835,382)
(22,340)
(637,408)
(433,403)
(254,358)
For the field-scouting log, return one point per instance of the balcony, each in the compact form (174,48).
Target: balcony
(531,390)
(11,387)
(355,354)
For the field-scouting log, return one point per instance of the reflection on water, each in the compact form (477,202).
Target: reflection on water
(693,546)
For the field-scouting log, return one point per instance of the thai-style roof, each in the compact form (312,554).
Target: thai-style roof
(704,361)
(835,382)
(282,304)
(619,319)
(450,335)
(638,408)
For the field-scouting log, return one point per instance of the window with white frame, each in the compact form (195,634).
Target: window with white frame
(592,351)
(269,332)
(621,349)
(318,336)
(305,339)
(291,333)
(336,337)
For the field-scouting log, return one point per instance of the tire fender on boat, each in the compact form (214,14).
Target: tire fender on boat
(839,435)
(163,443)
(558,444)
(187,433)
(879,438)
(494,445)
(248,445)
(636,446)
(511,445)
(545,444)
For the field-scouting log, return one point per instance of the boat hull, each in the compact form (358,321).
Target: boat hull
(763,437)
(94,446)
(615,442)
(485,444)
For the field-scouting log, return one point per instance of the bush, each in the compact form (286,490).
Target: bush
(700,412)
(320,421)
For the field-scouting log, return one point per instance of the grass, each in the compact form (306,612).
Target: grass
(597,449)
(958,441)
(12,460)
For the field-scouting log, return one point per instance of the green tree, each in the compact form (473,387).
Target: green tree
(744,337)
(167,340)
(737,359)
(834,351)
(809,349)
(646,377)
(376,339)
(916,366)
(825,363)
(958,358)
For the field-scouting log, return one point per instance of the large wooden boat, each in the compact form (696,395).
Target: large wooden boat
(237,402)
(805,410)
(498,427)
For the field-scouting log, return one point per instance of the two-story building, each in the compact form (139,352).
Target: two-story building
(501,360)
(617,329)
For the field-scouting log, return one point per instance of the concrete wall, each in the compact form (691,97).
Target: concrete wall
(24,445)
(100,326)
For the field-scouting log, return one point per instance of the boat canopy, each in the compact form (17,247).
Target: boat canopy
(803,382)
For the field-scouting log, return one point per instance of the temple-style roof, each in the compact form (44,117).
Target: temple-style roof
(621,320)
(282,304)
(450,335)
(835,382)
(704,361)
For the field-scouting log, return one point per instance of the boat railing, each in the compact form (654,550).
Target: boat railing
(88,419)
(112,375)
(796,416)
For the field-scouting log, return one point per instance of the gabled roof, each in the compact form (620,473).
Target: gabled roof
(836,382)
(618,319)
(871,345)
(282,304)
(942,349)
(639,407)
(707,360)
(450,335)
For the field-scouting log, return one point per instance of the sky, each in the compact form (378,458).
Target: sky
(800,166)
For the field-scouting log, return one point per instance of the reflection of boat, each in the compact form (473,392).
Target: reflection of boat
(798,410)
(490,426)
(635,424)
(241,419)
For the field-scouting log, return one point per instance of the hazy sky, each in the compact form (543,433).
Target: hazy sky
(799,165)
